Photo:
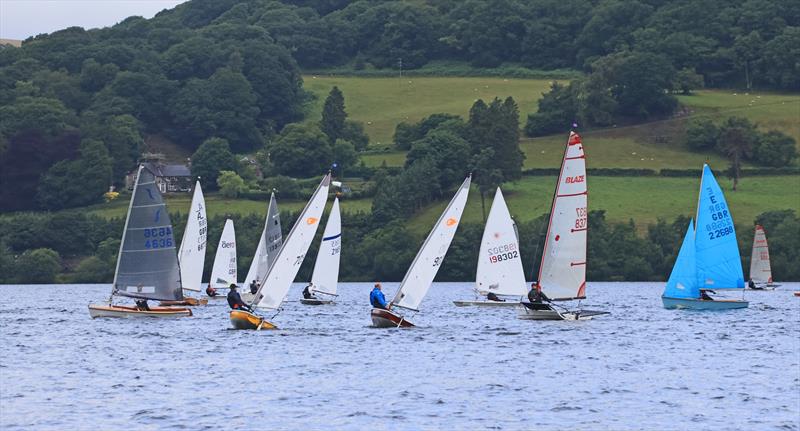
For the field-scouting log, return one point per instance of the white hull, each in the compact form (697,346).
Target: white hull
(96,311)
(486,303)
(548,312)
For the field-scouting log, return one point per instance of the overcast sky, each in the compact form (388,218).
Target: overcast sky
(20,19)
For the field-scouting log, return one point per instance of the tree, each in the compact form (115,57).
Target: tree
(37,266)
(497,126)
(80,182)
(701,134)
(333,115)
(640,82)
(687,80)
(775,149)
(301,150)
(486,175)
(448,153)
(230,184)
(213,156)
(737,138)
(344,154)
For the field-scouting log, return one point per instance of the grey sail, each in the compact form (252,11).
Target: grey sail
(147,266)
(273,234)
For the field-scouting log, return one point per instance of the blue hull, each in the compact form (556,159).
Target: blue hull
(697,304)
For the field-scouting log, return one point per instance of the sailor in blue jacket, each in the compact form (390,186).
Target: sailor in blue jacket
(377,299)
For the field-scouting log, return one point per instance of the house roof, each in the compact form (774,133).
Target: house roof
(160,170)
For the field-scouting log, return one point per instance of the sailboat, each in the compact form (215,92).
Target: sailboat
(499,264)
(283,270)
(709,256)
(192,253)
(426,264)
(562,271)
(326,269)
(268,246)
(760,270)
(223,273)
(147,264)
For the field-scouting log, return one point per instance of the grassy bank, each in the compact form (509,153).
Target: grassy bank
(643,199)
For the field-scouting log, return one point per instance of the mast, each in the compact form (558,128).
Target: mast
(125,230)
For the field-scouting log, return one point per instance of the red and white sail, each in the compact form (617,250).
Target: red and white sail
(562,273)
(760,270)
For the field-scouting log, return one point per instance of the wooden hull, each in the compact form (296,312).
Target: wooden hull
(797,293)
(388,319)
(486,303)
(127,312)
(699,304)
(187,302)
(316,301)
(241,319)
(535,311)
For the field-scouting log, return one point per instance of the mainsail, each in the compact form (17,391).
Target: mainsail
(760,270)
(430,256)
(562,272)
(223,274)
(682,281)
(268,245)
(499,263)
(192,254)
(284,268)
(147,264)
(326,268)
(719,265)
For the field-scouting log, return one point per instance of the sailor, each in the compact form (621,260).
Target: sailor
(535,295)
(492,297)
(752,284)
(308,292)
(704,296)
(141,305)
(235,301)
(376,298)
(210,291)
(254,286)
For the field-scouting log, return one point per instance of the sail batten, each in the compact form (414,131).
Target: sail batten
(430,256)
(290,256)
(499,262)
(562,271)
(147,264)
(326,268)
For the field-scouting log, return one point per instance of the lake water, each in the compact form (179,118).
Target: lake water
(642,367)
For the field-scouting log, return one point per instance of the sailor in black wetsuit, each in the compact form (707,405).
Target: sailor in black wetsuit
(536,296)
(308,292)
(492,297)
(235,301)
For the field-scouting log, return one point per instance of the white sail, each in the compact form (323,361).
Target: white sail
(192,254)
(430,256)
(562,273)
(326,268)
(268,244)
(499,263)
(283,270)
(224,271)
(760,270)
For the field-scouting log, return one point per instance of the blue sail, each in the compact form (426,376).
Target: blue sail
(719,265)
(682,281)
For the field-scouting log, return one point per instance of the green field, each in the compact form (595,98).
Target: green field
(217,205)
(643,199)
(382,103)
